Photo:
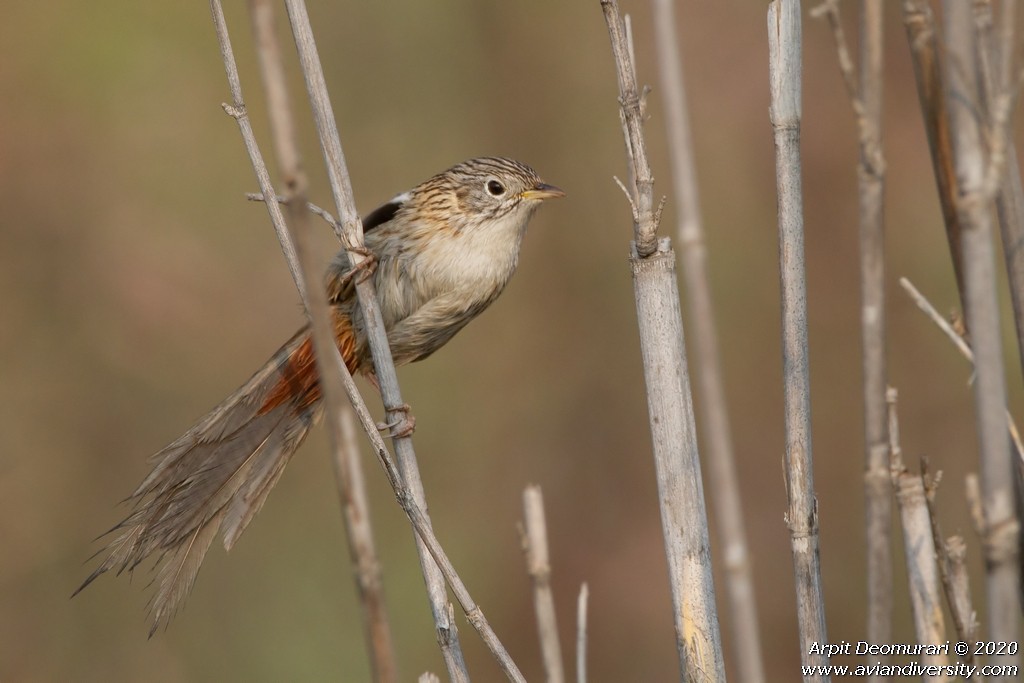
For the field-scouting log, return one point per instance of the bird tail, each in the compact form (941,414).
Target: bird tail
(217,475)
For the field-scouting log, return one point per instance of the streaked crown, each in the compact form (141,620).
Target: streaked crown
(481,189)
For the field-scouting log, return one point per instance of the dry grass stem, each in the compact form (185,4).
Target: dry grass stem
(954,336)
(341,190)
(866,98)
(719,454)
(535,546)
(348,471)
(922,569)
(1002,175)
(829,10)
(353,237)
(237,110)
(999,89)
(581,634)
(785,48)
(363,553)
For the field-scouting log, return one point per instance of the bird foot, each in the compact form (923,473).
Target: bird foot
(363,270)
(402,426)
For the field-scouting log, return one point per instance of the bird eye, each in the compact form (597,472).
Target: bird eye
(495,188)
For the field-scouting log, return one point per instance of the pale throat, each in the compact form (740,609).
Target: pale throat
(482,257)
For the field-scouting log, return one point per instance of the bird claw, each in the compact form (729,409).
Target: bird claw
(401,427)
(364,269)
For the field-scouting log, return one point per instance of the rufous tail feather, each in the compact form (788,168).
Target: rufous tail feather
(217,475)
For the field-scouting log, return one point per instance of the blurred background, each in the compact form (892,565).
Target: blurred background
(139,288)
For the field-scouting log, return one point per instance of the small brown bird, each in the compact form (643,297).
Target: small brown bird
(443,253)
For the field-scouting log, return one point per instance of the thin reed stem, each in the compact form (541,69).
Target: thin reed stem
(348,471)
(719,454)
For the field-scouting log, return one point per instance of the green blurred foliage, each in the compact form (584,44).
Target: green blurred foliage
(139,288)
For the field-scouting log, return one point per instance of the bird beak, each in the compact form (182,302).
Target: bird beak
(543,191)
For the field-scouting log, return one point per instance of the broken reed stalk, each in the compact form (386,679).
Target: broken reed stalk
(538,564)
(922,569)
(784,46)
(958,591)
(952,555)
(669,402)
(719,453)
(347,468)
(581,634)
(1001,541)
(866,98)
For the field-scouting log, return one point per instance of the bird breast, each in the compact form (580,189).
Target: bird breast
(420,264)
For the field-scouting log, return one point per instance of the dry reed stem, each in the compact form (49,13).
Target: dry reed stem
(348,471)
(865,96)
(669,402)
(538,564)
(359,533)
(341,190)
(719,454)
(353,237)
(922,34)
(1003,177)
(785,48)
(1001,542)
(631,116)
(973,493)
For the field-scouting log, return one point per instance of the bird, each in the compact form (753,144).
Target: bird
(441,253)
